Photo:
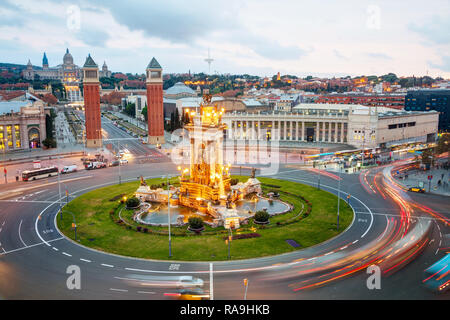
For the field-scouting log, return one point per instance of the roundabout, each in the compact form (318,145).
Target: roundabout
(104,223)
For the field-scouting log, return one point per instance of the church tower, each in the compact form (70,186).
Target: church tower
(155,109)
(91,93)
(44,62)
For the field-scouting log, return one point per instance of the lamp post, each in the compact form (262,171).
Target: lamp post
(318,175)
(339,194)
(59,186)
(120,177)
(168,215)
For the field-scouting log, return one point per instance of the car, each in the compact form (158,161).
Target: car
(114,163)
(123,161)
(96,165)
(417,189)
(68,169)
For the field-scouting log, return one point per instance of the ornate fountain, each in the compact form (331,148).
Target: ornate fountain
(205,186)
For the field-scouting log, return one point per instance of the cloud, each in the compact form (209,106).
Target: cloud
(339,55)
(170,20)
(434,30)
(93,37)
(378,55)
(444,66)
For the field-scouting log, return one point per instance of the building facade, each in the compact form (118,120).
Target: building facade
(22,125)
(431,99)
(359,126)
(396,101)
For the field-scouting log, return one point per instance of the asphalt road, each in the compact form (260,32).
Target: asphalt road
(34,256)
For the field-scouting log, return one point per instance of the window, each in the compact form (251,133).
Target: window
(155,74)
(9,136)
(2,138)
(392,126)
(17,135)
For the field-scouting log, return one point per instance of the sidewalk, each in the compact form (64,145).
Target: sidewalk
(413,179)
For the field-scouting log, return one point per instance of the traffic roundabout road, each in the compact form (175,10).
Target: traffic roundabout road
(36,260)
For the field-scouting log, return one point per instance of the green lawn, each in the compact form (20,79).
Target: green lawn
(96,228)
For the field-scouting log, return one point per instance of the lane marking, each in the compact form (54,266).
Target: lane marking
(146,292)
(20,236)
(85,260)
(56,249)
(211,285)
(66,254)
(120,290)
(107,265)
(30,246)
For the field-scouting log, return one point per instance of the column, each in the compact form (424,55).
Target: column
(284,129)
(303,130)
(272,134)
(296,130)
(241,130)
(324,128)
(329,132)
(317,135)
(258,130)
(342,132)
(335,132)
(291,123)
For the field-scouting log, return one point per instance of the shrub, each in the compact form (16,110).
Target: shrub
(262,216)
(195,222)
(49,143)
(244,236)
(138,229)
(234,181)
(132,202)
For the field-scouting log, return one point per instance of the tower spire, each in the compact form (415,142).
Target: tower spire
(209,60)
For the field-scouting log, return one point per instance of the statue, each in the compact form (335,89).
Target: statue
(253,173)
(143,183)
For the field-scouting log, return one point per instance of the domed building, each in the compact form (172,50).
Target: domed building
(178,91)
(68,73)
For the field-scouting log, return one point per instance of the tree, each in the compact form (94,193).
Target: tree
(443,144)
(144,112)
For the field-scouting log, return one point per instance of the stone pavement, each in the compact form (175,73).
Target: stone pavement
(415,177)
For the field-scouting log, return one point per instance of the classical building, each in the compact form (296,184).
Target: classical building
(68,73)
(91,88)
(360,126)
(155,111)
(22,124)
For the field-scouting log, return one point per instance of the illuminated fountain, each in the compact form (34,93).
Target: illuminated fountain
(205,187)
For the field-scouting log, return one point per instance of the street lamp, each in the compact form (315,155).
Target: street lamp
(339,194)
(168,215)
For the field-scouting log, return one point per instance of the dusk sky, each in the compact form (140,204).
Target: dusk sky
(322,38)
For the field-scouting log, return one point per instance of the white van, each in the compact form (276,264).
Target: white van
(69,169)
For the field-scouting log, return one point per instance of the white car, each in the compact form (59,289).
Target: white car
(123,161)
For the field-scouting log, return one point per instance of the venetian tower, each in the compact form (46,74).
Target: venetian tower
(91,92)
(155,109)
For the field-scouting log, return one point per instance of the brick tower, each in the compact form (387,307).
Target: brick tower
(155,110)
(91,92)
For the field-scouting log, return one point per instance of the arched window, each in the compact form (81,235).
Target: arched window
(34,138)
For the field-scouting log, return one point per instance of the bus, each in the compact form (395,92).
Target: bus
(437,277)
(39,173)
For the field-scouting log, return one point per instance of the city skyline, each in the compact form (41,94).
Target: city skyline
(259,38)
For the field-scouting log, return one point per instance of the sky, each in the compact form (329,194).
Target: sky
(322,38)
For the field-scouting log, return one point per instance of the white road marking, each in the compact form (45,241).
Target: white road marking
(146,292)
(20,236)
(30,246)
(66,254)
(85,260)
(211,285)
(56,249)
(120,290)
(107,265)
